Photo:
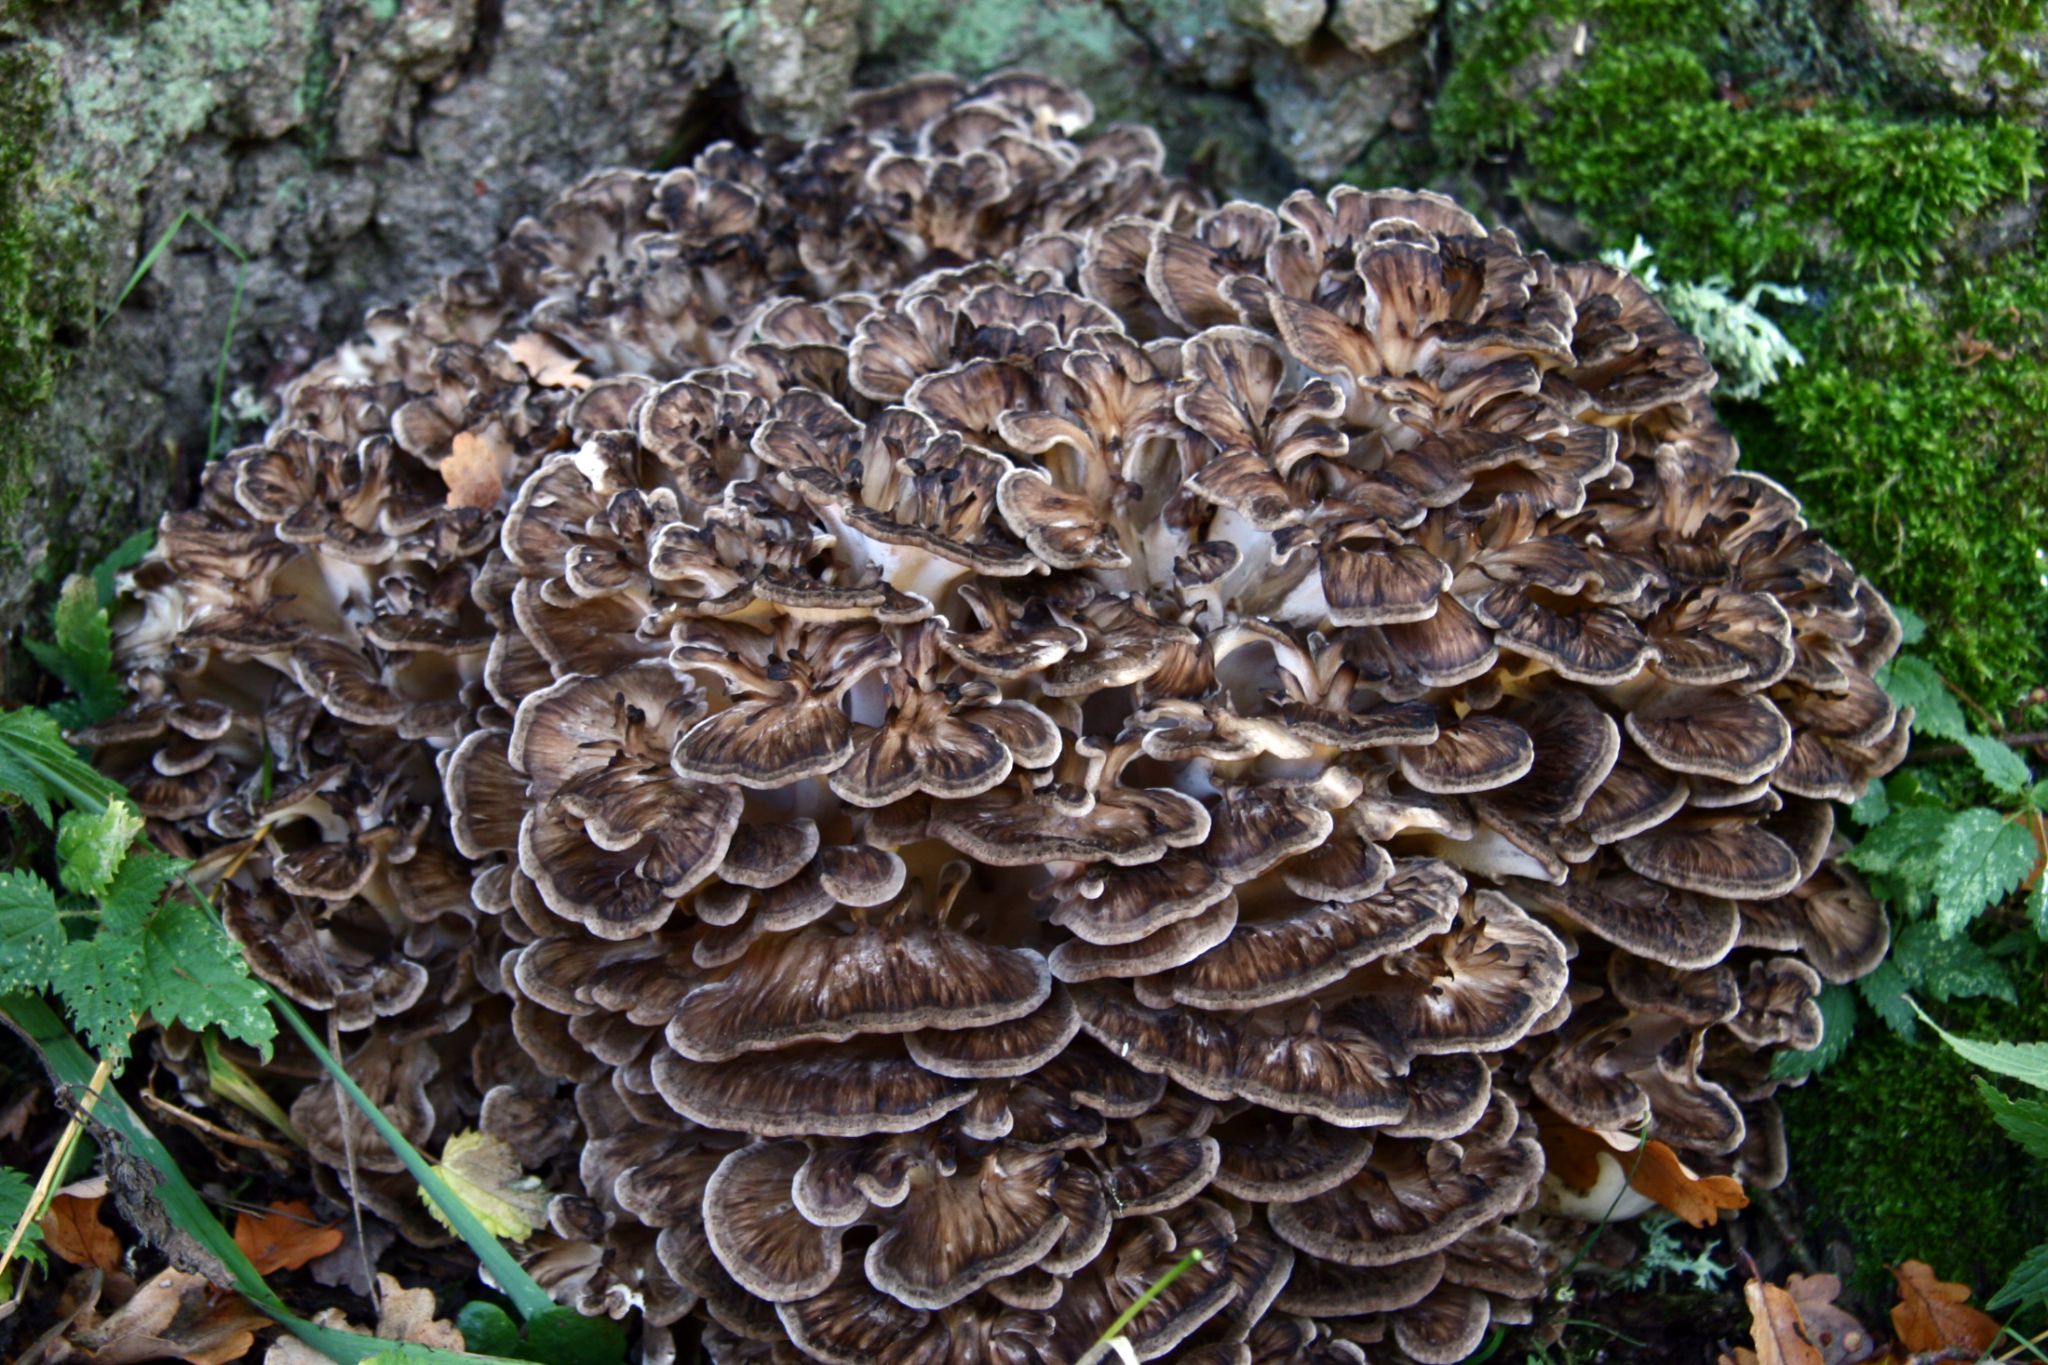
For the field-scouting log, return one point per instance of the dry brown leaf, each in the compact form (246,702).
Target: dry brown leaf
(285,1238)
(172,1316)
(73,1230)
(402,1315)
(548,363)
(1934,1315)
(1841,1338)
(474,469)
(1695,1198)
(1781,1335)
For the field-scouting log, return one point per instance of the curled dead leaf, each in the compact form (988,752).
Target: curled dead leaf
(1781,1334)
(1577,1157)
(403,1314)
(1935,1315)
(172,1316)
(550,365)
(285,1238)
(73,1230)
(1841,1338)
(474,469)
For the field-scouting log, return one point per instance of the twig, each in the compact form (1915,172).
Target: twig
(2026,740)
(152,1100)
(59,1155)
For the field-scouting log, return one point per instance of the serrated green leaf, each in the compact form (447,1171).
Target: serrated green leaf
(2026,1286)
(138,888)
(2024,1121)
(2037,908)
(1906,846)
(37,766)
(91,845)
(1948,968)
(1912,626)
(1838,1020)
(82,657)
(1984,858)
(2001,767)
(30,932)
(96,978)
(2038,797)
(1872,807)
(16,1190)
(127,555)
(190,971)
(1884,990)
(1912,681)
(2022,1061)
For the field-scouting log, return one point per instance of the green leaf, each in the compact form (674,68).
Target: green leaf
(91,845)
(2001,767)
(138,888)
(16,1190)
(2022,1061)
(1949,968)
(487,1328)
(96,979)
(192,972)
(2024,1121)
(37,766)
(1913,682)
(1912,626)
(2026,1286)
(2037,908)
(1884,990)
(1872,807)
(1906,846)
(83,656)
(30,932)
(1984,858)
(126,555)
(1838,1020)
(563,1336)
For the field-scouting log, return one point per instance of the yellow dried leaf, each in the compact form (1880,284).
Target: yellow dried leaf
(486,1176)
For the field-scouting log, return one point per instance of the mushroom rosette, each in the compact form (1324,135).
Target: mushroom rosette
(925,726)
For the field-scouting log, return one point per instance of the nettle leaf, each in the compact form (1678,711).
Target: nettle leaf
(2001,767)
(2022,1061)
(97,978)
(1872,807)
(1907,845)
(1949,968)
(1885,991)
(83,656)
(2037,907)
(1912,681)
(1912,626)
(38,767)
(2024,1121)
(138,888)
(190,971)
(1838,1020)
(30,932)
(1984,858)
(136,548)
(2026,1286)
(91,845)
(15,1192)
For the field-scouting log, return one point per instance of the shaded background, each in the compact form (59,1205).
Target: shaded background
(1883,156)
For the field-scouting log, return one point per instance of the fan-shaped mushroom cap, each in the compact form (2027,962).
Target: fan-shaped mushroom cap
(1412,1198)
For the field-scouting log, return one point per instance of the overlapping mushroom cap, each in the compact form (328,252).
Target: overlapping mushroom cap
(928,726)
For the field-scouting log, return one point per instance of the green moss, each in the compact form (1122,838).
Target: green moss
(1640,137)
(1917,436)
(1893,1153)
(40,251)
(1997,26)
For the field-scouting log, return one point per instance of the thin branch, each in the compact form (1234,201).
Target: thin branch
(59,1156)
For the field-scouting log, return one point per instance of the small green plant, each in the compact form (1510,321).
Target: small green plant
(2025,1121)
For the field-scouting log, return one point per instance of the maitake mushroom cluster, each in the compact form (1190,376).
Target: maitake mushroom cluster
(923,724)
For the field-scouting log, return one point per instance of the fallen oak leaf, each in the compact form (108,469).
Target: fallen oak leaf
(72,1228)
(1781,1334)
(404,1315)
(1934,1315)
(474,469)
(1698,1199)
(1587,1170)
(1841,1338)
(172,1316)
(285,1238)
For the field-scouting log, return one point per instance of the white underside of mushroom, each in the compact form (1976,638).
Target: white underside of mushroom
(1611,1200)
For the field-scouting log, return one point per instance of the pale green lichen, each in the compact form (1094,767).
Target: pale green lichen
(1748,350)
